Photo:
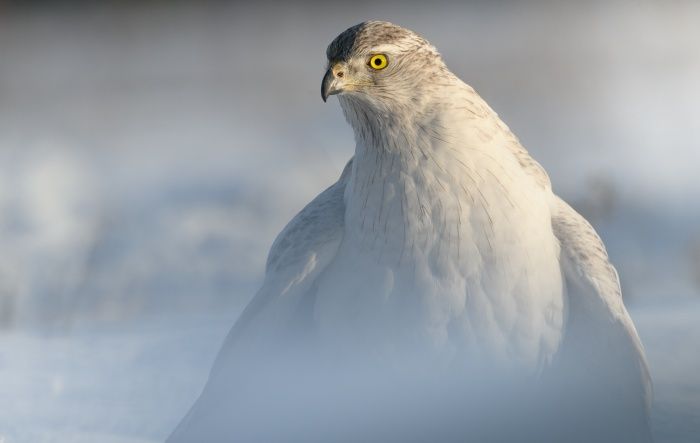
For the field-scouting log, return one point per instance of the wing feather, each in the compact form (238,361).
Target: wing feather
(600,343)
(298,256)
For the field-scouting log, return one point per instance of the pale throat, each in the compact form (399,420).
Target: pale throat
(408,184)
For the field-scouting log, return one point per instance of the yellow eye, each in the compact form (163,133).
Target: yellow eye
(377,61)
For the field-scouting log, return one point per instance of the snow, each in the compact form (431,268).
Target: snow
(134,383)
(146,155)
(125,386)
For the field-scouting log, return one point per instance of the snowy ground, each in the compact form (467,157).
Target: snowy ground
(148,157)
(133,385)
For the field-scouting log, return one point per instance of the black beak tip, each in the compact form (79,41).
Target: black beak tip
(326,85)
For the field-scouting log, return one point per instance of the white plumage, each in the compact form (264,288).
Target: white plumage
(441,262)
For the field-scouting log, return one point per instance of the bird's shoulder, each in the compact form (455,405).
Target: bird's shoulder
(584,252)
(597,312)
(298,255)
(472,108)
(318,225)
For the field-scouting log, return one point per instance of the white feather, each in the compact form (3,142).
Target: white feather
(440,249)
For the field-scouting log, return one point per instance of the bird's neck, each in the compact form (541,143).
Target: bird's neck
(411,181)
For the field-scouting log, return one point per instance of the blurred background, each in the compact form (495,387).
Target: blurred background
(150,152)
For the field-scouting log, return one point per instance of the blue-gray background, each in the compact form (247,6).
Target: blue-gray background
(150,152)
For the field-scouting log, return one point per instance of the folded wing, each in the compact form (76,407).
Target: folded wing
(268,324)
(601,362)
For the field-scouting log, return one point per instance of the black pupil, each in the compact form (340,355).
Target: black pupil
(377,62)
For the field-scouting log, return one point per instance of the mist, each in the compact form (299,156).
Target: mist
(150,152)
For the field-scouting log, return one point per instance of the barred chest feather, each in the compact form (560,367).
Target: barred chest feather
(454,244)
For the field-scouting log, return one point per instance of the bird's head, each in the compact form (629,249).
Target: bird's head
(378,65)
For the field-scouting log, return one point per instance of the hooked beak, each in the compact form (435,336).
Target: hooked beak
(330,85)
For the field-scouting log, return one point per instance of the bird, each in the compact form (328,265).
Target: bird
(438,291)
